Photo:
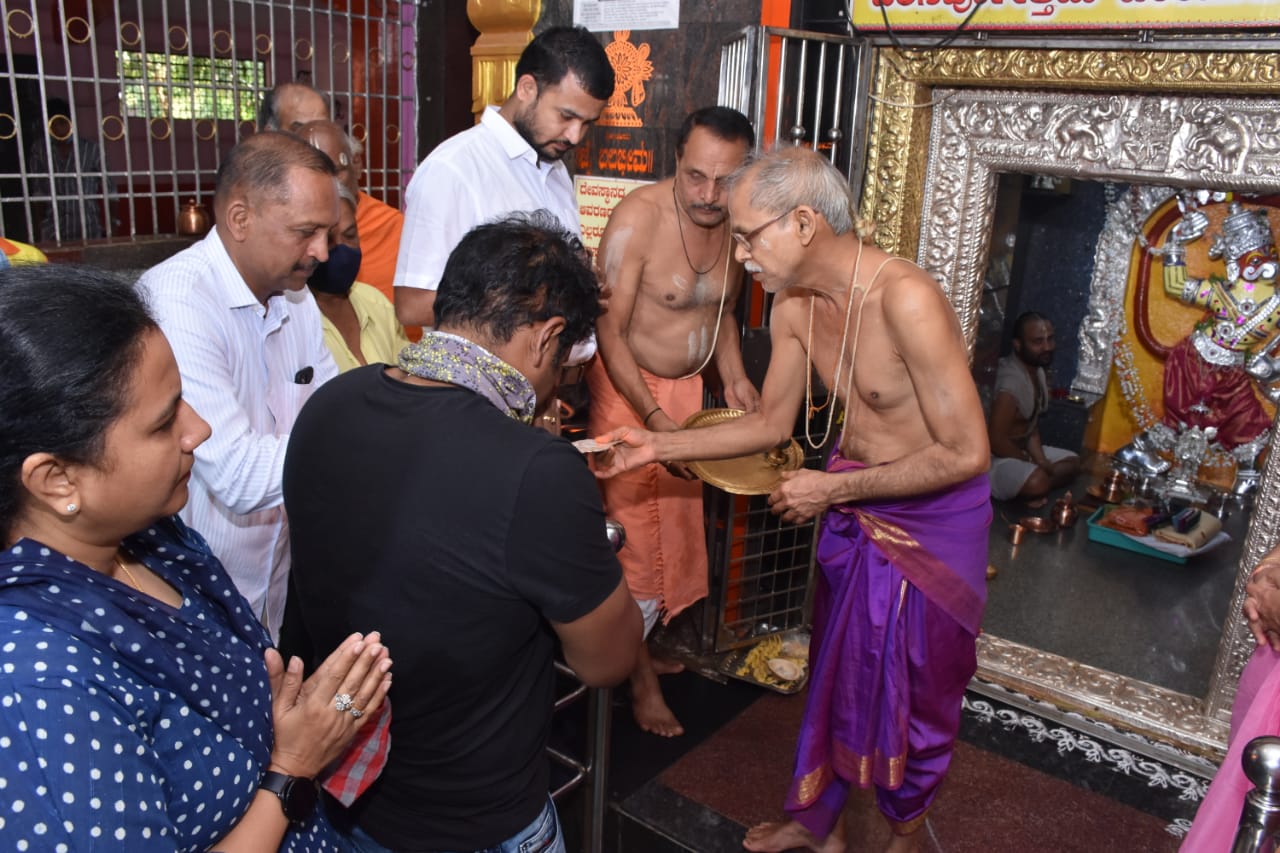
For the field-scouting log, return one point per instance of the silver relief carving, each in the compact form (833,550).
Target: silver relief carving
(1227,143)
(1112,698)
(1162,141)
(1104,320)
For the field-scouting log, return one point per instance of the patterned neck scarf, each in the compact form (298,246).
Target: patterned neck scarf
(443,357)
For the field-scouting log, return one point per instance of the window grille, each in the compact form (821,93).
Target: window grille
(156,85)
(114,114)
(801,88)
(761,567)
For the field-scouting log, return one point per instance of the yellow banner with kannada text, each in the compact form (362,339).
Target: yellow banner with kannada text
(870,15)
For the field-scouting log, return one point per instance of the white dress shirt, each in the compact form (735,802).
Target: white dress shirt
(473,177)
(244,368)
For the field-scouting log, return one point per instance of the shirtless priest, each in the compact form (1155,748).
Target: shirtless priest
(905,503)
(671,315)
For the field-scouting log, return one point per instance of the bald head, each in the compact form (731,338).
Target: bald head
(328,137)
(291,105)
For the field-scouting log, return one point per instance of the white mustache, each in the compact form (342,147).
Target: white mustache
(752,267)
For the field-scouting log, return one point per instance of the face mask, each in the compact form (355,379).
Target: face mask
(337,274)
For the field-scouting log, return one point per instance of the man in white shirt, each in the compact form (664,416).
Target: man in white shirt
(247,336)
(511,161)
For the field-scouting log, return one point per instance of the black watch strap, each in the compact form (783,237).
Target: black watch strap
(297,794)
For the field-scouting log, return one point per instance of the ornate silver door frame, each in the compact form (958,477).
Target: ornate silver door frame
(948,122)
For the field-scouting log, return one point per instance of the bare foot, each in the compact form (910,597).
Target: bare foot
(905,843)
(648,706)
(653,715)
(788,835)
(662,666)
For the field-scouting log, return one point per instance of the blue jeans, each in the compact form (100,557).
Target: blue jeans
(541,836)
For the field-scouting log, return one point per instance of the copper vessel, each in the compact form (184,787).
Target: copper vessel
(553,417)
(1064,511)
(1036,524)
(193,221)
(1114,487)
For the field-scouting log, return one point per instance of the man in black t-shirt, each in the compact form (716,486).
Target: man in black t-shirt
(421,502)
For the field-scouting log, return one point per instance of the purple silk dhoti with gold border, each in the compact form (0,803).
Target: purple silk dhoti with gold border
(897,608)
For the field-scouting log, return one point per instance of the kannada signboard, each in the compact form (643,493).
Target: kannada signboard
(597,197)
(1064,14)
(609,15)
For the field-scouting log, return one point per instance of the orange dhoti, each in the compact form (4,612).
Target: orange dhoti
(665,556)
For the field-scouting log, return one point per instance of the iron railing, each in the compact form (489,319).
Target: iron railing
(156,93)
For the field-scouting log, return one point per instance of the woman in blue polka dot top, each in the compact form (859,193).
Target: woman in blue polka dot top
(141,706)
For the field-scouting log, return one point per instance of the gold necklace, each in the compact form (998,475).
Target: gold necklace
(680,227)
(835,378)
(128,574)
(839,365)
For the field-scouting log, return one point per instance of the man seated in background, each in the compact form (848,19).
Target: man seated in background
(420,493)
(1021,467)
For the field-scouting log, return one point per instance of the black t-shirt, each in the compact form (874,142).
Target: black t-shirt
(429,515)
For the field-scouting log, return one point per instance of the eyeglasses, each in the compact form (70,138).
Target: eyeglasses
(744,240)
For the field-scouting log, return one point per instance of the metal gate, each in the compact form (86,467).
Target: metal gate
(114,113)
(801,88)
(797,88)
(760,567)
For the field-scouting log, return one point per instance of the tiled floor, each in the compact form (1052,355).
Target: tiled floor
(1142,617)
(1012,787)
(1018,782)
(989,804)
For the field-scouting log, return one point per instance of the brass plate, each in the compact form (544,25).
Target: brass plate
(755,474)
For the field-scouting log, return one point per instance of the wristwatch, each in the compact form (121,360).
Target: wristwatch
(297,794)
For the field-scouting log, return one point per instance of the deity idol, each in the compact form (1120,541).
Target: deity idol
(1209,375)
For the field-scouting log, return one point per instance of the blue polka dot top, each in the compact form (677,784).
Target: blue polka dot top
(126,724)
